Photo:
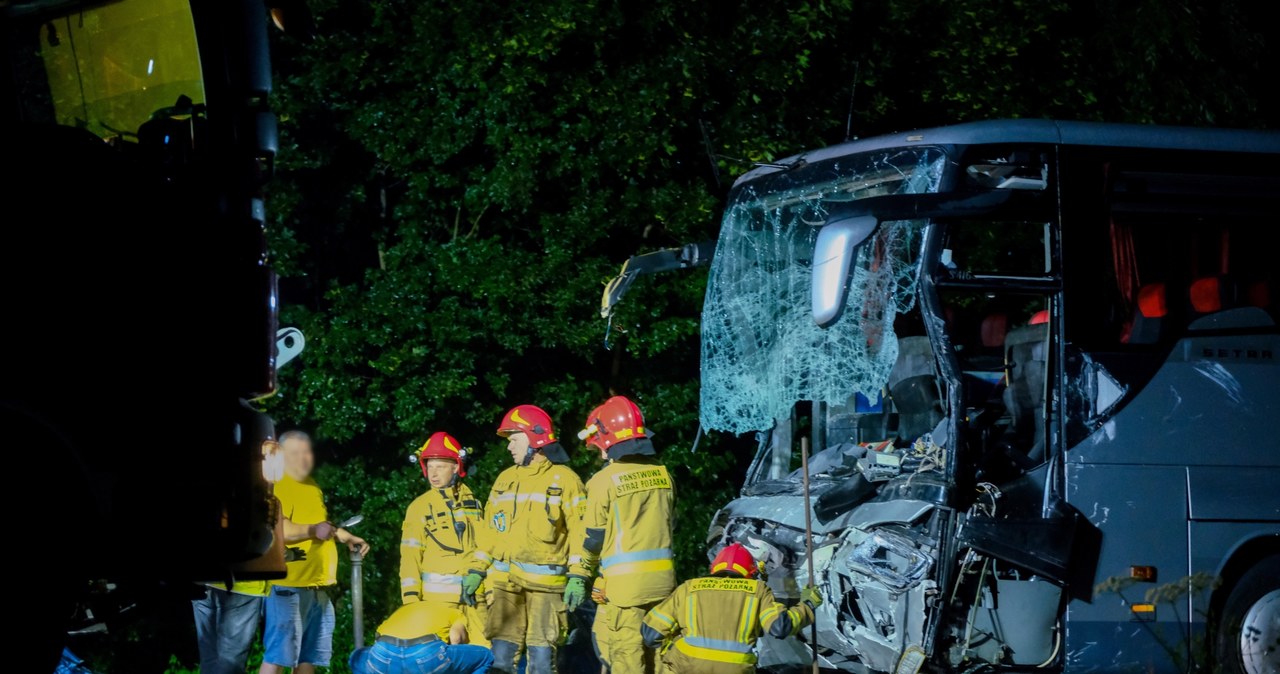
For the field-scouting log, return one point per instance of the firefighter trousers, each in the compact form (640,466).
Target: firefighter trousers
(477,618)
(616,635)
(534,619)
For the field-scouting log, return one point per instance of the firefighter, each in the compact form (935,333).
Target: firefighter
(710,625)
(627,534)
(537,508)
(438,537)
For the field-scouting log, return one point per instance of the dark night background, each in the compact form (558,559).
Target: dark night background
(458,181)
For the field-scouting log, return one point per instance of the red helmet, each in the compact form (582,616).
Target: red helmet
(441,445)
(737,560)
(616,420)
(532,421)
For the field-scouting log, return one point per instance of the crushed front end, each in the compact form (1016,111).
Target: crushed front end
(936,535)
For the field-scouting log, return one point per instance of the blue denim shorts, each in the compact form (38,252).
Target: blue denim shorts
(430,658)
(299,626)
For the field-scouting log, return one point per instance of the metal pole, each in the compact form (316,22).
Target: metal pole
(357,597)
(808,542)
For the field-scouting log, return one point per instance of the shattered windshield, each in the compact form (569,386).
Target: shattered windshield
(761,350)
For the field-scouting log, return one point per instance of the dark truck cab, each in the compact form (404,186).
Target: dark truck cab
(139,310)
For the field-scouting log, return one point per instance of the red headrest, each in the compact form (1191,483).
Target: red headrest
(994,329)
(1039,317)
(1206,295)
(1151,301)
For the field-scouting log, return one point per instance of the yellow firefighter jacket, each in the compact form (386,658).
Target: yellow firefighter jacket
(715,623)
(628,531)
(535,518)
(437,541)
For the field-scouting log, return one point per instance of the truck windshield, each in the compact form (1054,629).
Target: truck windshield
(762,352)
(106,68)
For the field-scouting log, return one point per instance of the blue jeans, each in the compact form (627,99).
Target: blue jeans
(226,624)
(430,658)
(299,626)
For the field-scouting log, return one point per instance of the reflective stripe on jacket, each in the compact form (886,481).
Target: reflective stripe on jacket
(719,619)
(533,514)
(627,531)
(437,541)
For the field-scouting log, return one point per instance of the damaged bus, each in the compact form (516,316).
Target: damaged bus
(1037,364)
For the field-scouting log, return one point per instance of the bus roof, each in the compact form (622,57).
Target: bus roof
(1048,131)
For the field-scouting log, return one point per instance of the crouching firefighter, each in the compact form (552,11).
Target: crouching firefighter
(710,625)
(438,538)
(422,638)
(537,505)
(627,527)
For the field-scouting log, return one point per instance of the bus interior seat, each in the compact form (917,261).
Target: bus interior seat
(1026,354)
(1150,316)
(1211,294)
(995,327)
(914,389)
(1219,302)
(985,353)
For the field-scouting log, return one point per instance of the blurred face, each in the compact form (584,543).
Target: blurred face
(518,445)
(440,472)
(298,458)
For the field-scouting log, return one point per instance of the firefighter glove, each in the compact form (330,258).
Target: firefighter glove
(575,592)
(811,596)
(597,592)
(471,585)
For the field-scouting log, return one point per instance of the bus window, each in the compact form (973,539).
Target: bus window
(1001,342)
(108,68)
(1000,248)
(1170,270)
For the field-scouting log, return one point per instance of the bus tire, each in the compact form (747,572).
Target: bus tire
(1251,615)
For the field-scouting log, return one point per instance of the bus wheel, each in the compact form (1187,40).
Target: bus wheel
(1248,639)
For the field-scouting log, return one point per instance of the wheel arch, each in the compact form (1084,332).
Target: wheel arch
(1236,563)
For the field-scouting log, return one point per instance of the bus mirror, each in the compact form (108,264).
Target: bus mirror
(834,254)
(1093,393)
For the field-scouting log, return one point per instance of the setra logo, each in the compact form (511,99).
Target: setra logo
(1237,354)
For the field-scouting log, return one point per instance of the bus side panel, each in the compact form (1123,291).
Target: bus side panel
(1213,402)
(1142,512)
(1234,494)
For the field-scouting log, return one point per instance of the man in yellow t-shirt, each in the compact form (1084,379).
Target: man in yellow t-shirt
(298,633)
(422,638)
